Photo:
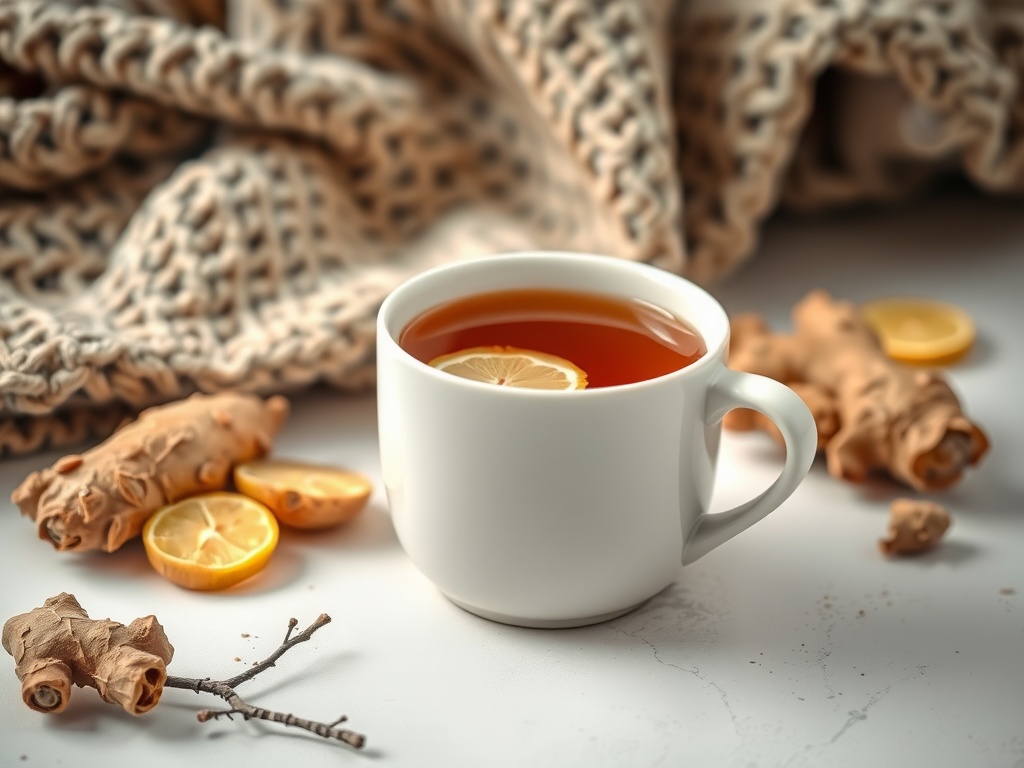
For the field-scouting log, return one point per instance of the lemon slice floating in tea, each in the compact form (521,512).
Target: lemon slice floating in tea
(512,367)
(920,330)
(304,495)
(208,542)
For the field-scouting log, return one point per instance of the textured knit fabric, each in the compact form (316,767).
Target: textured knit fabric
(198,197)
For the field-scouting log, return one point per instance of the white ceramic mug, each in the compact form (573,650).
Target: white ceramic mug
(563,508)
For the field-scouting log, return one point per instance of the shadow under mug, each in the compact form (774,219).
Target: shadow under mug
(560,509)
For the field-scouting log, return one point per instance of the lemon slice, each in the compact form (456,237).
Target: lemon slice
(512,367)
(209,542)
(304,495)
(920,330)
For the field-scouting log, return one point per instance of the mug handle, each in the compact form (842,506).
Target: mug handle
(736,389)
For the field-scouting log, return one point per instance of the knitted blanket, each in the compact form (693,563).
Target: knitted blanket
(198,197)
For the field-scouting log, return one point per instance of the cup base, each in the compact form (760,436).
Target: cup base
(517,621)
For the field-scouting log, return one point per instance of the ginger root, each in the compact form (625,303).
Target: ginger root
(101,499)
(873,413)
(57,644)
(914,526)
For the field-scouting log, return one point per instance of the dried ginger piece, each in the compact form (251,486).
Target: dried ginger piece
(873,413)
(914,526)
(57,644)
(101,499)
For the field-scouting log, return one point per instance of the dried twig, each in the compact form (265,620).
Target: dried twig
(225,689)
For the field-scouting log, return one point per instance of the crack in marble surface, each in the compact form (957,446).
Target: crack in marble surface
(860,715)
(694,671)
(854,716)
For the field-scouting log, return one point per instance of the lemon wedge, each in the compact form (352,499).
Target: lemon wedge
(210,542)
(920,330)
(304,495)
(512,367)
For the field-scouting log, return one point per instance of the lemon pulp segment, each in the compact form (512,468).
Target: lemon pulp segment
(920,330)
(212,541)
(304,495)
(512,367)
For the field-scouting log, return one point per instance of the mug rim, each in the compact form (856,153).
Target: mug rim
(656,275)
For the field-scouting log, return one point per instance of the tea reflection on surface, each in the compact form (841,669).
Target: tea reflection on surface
(615,341)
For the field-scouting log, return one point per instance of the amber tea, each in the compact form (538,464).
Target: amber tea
(613,340)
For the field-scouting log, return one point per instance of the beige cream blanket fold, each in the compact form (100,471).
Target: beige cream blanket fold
(198,197)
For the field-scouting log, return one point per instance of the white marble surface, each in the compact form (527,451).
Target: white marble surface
(796,644)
